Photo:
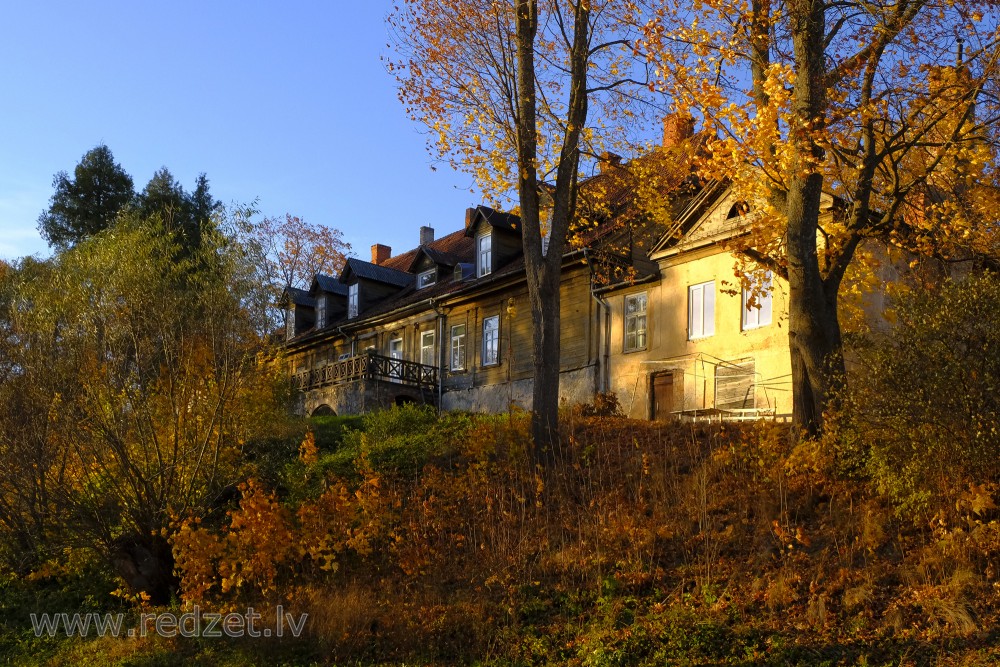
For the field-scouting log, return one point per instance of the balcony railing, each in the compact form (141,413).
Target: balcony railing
(368,366)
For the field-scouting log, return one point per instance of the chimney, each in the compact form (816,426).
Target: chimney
(380,253)
(426,235)
(470,215)
(676,128)
(608,161)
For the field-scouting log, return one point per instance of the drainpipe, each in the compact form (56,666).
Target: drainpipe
(603,367)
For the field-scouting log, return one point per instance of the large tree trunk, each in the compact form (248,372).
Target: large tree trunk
(545,304)
(543,272)
(814,331)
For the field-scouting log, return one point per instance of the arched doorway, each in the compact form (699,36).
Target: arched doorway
(323,411)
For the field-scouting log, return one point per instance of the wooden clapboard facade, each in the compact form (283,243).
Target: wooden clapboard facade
(446,323)
(650,312)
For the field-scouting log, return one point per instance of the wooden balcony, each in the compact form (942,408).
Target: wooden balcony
(368,366)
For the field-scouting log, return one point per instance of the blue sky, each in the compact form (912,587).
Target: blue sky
(287,103)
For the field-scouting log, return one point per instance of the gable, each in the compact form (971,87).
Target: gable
(706,222)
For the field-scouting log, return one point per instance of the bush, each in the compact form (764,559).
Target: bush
(921,414)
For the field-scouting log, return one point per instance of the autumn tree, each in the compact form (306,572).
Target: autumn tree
(137,379)
(289,252)
(887,109)
(87,203)
(296,250)
(523,94)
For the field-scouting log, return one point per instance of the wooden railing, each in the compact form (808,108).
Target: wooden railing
(367,366)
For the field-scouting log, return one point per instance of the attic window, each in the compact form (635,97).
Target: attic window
(738,210)
(426,278)
(484,255)
(352,300)
(321,311)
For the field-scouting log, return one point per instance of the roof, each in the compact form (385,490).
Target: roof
(609,198)
(381,274)
(455,244)
(437,256)
(299,297)
(328,284)
(497,220)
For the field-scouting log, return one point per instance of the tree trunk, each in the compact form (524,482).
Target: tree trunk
(543,271)
(545,304)
(146,563)
(814,331)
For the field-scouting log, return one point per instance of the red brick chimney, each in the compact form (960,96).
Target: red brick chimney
(470,215)
(676,128)
(380,253)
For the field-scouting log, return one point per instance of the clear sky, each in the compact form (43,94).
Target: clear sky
(287,103)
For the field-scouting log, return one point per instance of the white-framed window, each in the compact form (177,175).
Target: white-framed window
(484,255)
(635,322)
(427,348)
(757,303)
(491,341)
(321,311)
(426,278)
(290,323)
(701,310)
(458,347)
(352,300)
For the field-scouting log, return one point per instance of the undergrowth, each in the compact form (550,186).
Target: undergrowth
(411,538)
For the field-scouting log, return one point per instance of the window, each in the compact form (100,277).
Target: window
(701,310)
(485,256)
(321,311)
(426,278)
(352,300)
(735,386)
(757,303)
(458,347)
(290,323)
(427,348)
(396,359)
(491,341)
(635,322)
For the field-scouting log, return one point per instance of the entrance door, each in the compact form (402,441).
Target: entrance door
(396,354)
(663,396)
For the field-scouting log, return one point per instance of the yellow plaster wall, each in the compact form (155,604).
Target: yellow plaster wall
(669,348)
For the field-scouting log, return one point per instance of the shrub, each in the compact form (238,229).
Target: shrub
(922,411)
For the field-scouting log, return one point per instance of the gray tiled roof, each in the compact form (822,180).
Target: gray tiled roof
(498,220)
(381,274)
(328,284)
(299,297)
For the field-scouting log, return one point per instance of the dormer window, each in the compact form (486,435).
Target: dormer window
(352,300)
(484,256)
(426,278)
(290,323)
(321,311)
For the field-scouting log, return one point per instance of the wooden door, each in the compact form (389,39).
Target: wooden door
(663,396)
